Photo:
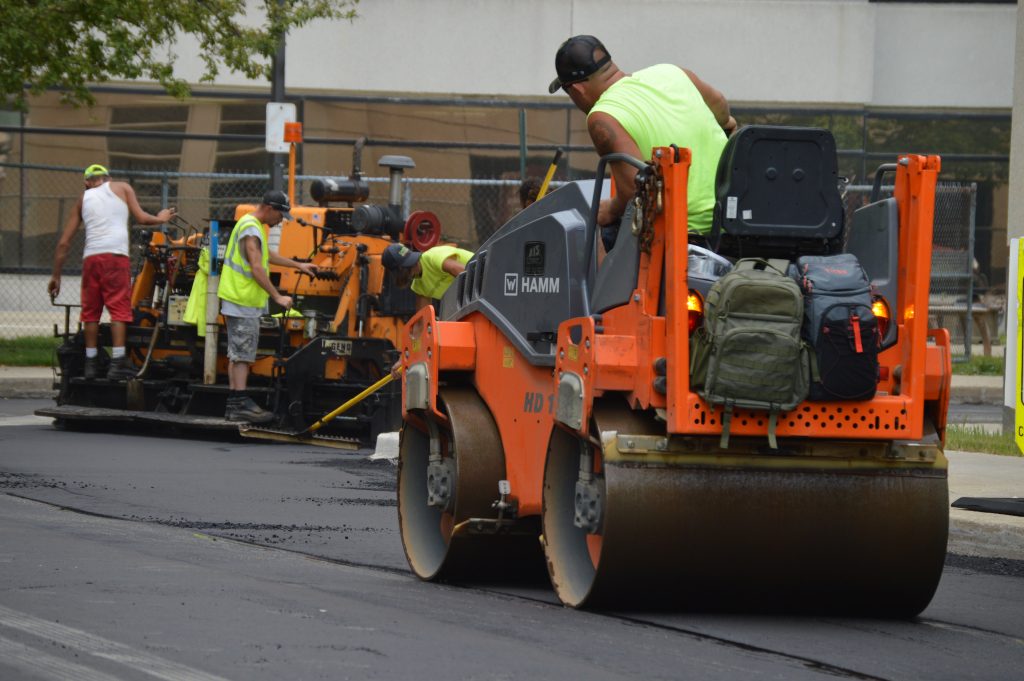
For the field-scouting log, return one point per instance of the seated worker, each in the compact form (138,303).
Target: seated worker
(428,274)
(633,113)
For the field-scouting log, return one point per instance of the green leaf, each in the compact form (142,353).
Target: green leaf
(68,44)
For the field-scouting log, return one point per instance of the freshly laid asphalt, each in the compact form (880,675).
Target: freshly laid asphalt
(976,401)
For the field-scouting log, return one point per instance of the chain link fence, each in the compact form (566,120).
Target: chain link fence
(35,202)
(970,314)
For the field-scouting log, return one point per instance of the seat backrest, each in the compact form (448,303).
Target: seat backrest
(777,194)
(874,239)
(616,277)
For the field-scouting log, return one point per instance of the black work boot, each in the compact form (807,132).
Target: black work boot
(92,368)
(120,369)
(230,408)
(245,410)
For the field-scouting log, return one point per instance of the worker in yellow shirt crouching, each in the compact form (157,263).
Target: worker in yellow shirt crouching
(428,274)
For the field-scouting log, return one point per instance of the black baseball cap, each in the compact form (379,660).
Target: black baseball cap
(574,61)
(399,255)
(278,200)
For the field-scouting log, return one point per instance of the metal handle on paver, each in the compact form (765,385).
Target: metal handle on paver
(352,402)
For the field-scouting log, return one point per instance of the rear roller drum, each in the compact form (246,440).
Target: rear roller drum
(750,534)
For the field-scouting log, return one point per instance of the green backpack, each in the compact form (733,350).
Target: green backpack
(749,353)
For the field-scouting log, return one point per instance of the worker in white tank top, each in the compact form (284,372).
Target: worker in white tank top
(105,215)
(104,208)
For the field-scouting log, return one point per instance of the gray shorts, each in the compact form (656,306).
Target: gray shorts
(243,336)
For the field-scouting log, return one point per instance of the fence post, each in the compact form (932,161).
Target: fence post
(522,144)
(406,198)
(22,209)
(972,192)
(165,191)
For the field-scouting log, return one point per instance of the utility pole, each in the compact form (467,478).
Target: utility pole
(277,161)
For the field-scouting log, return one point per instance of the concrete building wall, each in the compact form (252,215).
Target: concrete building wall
(793,51)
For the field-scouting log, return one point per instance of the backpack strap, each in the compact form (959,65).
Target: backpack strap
(726,422)
(773,420)
(779,264)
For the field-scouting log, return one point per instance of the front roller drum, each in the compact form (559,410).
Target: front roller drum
(669,534)
(438,499)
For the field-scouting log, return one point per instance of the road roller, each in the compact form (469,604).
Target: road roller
(553,408)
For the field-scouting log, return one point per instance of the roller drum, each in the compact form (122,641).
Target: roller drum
(438,544)
(830,539)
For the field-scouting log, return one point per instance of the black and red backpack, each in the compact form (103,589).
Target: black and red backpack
(840,327)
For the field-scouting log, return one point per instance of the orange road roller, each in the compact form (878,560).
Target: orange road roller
(751,418)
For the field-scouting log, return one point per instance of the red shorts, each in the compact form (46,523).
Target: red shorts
(106,280)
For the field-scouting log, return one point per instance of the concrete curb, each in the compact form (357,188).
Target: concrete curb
(977,395)
(27,389)
(26,382)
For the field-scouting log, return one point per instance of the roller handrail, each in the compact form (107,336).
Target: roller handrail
(876,188)
(595,203)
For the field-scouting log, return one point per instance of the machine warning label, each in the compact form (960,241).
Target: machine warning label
(533,260)
(514,284)
(507,358)
(338,348)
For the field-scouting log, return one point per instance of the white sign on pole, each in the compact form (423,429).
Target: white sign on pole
(279,113)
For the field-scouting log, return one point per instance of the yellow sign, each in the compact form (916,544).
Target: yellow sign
(1019,402)
(507,358)
(574,353)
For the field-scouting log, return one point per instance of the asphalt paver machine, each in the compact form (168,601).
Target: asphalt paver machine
(550,407)
(339,339)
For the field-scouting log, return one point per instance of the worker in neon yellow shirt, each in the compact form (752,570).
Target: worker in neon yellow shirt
(428,274)
(632,113)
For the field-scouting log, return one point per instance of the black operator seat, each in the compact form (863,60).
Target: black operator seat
(777,194)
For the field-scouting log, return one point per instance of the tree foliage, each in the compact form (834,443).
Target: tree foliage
(68,44)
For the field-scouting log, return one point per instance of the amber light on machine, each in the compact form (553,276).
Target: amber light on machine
(695,307)
(880,308)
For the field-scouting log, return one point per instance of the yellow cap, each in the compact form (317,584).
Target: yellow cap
(95,170)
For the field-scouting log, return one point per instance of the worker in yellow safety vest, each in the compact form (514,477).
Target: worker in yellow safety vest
(244,290)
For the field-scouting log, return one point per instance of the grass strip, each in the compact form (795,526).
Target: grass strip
(28,351)
(979,365)
(968,438)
